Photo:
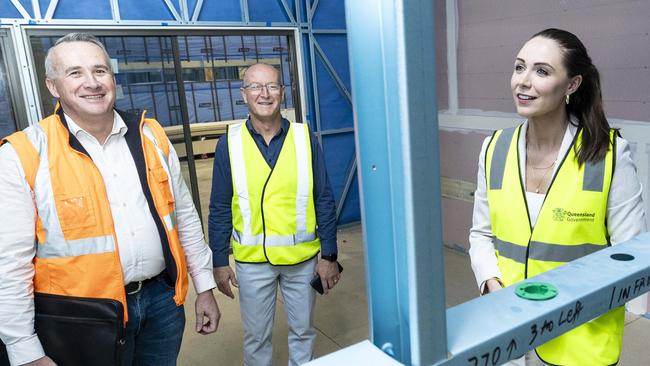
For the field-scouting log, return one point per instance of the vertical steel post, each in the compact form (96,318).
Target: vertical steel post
(392,62)
(187,132)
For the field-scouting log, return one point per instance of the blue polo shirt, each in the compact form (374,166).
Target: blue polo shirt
(220,217)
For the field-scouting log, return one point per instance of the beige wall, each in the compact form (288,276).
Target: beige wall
(614,32)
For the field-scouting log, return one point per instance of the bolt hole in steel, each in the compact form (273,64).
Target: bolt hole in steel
(622,257)
(536,291)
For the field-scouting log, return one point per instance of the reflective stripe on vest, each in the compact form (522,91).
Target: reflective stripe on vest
(544,251)
(499,158)
(74,248)
(170,219)
(273,240)
(570,225)
(253,227)
(238,166)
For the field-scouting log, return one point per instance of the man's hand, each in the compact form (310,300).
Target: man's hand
(329,274)
(224,277)
(43,361)
(206,307)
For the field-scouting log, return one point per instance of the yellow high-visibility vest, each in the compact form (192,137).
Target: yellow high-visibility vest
(570,225)
(273,214)
(77,249)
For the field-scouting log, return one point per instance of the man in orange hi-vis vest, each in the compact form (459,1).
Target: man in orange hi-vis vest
(94,206)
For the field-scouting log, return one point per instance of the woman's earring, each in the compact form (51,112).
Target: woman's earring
(566,100)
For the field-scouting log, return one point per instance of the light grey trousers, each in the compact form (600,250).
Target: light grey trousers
(258,285)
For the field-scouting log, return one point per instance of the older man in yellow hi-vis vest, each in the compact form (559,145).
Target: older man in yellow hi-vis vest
(94,206)
(272,201)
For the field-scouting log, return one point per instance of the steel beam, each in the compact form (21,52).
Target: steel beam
(197,10)
(493,329)
(288,11)
(20,9)
(37,9)
(391,46)
(510,326)
(331,70)
(173,11)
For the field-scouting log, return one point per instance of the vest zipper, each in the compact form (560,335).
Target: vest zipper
(262,212)
(522,184)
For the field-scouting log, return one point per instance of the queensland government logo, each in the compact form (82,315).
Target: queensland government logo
(560,214)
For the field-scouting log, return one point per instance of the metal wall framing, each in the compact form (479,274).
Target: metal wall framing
(397,137)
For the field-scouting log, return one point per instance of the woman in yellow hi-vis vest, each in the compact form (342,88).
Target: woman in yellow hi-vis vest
(558,187)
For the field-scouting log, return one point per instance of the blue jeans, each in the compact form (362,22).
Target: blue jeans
(155,328)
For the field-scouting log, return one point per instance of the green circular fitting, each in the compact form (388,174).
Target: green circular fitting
(537,291)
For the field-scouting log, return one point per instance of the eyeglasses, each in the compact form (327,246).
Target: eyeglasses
(257,88)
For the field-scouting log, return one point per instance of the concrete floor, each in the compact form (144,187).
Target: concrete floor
(341,318)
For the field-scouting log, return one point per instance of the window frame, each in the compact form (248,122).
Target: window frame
(10,62)
(292,34)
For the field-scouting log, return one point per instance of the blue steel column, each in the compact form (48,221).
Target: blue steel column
(392,59)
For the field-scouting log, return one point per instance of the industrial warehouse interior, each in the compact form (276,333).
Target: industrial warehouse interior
(357,74)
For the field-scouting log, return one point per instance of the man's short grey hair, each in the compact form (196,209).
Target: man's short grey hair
(50,73)
(277,71)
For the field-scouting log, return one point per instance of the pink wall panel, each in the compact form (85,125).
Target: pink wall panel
(615,33)
(459,152)
(456,222)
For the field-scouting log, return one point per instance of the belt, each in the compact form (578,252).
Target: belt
(135,286)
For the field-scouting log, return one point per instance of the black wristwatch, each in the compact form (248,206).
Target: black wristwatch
(332,257)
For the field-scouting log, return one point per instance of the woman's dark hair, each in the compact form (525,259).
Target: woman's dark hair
(586,103)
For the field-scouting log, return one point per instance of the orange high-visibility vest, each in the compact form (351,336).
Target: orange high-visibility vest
(77,249)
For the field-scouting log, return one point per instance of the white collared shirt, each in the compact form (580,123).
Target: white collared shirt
(137,236)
